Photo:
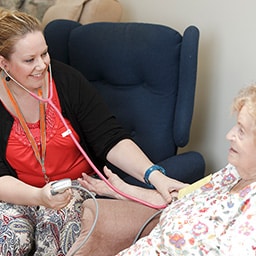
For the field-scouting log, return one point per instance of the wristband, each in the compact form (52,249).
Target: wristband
(150,170)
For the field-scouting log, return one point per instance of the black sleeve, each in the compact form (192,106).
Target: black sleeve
(6,122)
(87,111)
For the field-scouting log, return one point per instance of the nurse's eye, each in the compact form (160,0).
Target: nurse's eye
(29,60)
(45,54)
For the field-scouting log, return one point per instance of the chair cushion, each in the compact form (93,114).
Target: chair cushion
(63,9)
(136,85)
(101,10)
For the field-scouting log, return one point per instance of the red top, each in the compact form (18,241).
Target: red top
(63,159)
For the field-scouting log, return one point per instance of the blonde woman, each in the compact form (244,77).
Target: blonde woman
(35,148)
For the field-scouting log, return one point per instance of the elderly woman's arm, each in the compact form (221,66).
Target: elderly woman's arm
(101,188)
(127,156)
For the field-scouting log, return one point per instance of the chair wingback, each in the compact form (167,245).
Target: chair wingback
(147,75)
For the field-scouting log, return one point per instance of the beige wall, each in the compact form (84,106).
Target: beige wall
(227,56)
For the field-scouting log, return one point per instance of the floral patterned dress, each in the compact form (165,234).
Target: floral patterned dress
(208,221)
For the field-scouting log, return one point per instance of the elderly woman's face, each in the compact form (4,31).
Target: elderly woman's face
(242,152)
(29,62)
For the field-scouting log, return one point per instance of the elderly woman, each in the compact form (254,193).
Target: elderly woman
(218,218)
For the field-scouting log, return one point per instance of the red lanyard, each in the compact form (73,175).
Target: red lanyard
(40,156)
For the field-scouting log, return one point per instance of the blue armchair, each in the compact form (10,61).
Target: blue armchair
(147,75)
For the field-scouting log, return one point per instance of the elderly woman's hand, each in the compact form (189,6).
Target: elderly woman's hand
(101,188)
(167,187)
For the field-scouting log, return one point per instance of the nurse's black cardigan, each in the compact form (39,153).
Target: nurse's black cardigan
(80,103)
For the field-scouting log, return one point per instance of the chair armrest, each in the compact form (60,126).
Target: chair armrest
(186,167)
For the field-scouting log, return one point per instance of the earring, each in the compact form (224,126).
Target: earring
(4,73)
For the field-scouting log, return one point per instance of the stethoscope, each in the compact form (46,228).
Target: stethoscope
(69,132)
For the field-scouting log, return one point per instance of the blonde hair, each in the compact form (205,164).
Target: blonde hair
(246,97)
(14,25)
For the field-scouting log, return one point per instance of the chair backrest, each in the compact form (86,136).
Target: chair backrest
(145,72)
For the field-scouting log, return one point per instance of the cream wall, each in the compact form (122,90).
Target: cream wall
(227,56)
